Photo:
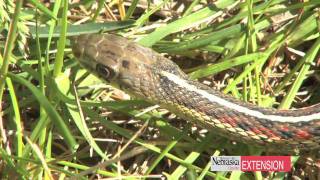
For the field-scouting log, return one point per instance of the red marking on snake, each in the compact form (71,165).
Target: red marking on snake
(303,134)
(229,120)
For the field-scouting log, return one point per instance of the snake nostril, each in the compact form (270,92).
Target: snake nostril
(76,52)
(125,64)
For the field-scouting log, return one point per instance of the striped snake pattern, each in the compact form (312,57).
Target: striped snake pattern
(145,74)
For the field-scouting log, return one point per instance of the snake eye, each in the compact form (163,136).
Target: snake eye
(105,72)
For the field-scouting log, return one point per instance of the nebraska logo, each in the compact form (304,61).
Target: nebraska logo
(225,163)
(251,163)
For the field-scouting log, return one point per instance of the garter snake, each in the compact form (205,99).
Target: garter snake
(145,74)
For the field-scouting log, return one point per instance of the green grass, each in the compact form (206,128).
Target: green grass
(61,122)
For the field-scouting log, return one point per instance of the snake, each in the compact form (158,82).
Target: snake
(143,73)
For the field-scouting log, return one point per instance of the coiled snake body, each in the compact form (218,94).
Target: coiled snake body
(146,74)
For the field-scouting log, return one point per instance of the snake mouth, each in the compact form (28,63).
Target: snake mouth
(124,83)
(88,65)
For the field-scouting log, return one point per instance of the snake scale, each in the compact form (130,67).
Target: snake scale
(146,74)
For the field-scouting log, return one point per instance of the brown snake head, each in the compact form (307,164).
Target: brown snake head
(121,62)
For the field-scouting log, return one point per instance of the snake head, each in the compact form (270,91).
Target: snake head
(99,54)
(121,62)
